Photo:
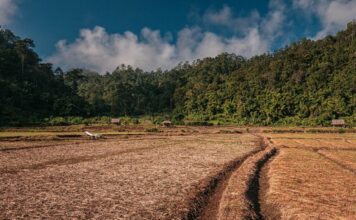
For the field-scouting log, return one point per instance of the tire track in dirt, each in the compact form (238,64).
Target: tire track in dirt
(207,203)
(241,199)
(204,203)
(254,186)
(268,210)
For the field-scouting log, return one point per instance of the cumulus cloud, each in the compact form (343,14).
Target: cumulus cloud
(225,17)
(273,25)
(101,51)
(98,50)
(7,10)
(268,24)
(333,15)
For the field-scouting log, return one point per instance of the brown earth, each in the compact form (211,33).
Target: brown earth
(150,177)
(185,172)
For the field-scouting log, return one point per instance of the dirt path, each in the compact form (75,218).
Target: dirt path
(234,193)
(206,203)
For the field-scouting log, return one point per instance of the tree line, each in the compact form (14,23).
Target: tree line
(305,83)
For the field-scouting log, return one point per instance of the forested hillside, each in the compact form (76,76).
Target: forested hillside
(307,83)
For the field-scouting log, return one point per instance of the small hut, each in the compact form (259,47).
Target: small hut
(167,123)
(338,123)
(116,121)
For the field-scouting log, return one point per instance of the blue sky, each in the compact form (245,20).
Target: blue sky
(101,35)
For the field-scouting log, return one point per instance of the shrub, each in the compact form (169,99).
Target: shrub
(178,117)
(75,120)
(341,130)
(135,121)
(151,130)
(57,121)
(158,120)
(198,123)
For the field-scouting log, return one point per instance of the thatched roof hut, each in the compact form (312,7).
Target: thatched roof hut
(167,123)
(338,122)
(116,121)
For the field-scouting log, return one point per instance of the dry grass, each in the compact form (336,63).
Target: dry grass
(136,178)
(313,177)
(345,157)
(311,136)
(303,185)
(315,141)
(233,204)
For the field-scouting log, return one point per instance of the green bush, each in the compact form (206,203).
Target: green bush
(178,119)
(151,130)
(341,130)
(57,121)
(158,120)
(75,120)
(198,123)
(135,121)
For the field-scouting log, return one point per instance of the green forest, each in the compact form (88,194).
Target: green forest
(306,83)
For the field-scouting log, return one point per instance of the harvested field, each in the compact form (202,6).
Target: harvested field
(304,185)
(344,157)
(315,141)
(151,177)
(331,136)
(189,173)
(313,177)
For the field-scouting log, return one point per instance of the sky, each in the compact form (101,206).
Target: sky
(152,34)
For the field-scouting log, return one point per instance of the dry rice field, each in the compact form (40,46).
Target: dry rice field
(312,177)
(150,177)
(198,173)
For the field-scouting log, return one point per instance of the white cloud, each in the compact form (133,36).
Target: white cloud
(333,15)
(7,10)
(224,17)
(270,25)
(221,17)
(273,25)
(98,50)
